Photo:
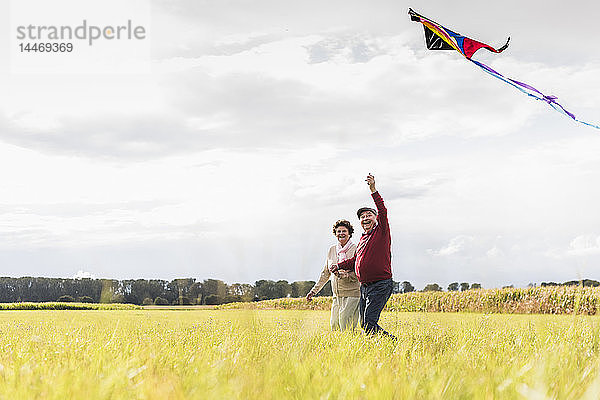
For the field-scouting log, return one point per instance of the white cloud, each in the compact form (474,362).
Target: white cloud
(584,245)
(455,246)
(256,127)
(81,274)
(494,252)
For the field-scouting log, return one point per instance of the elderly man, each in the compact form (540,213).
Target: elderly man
(372,262)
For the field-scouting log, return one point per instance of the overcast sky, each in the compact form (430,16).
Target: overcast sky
(249,126)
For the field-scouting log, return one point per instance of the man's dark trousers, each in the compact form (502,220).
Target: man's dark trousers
(373,296)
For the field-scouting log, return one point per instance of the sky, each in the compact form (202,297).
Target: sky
(227,142)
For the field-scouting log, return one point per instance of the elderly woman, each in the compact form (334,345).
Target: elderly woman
(344,284)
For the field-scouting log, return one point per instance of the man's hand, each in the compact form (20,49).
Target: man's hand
(309,296)
(333,268)
(371,182)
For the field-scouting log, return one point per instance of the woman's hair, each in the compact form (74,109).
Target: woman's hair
(344,223)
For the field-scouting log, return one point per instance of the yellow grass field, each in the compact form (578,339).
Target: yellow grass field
(534,300)
(290,354)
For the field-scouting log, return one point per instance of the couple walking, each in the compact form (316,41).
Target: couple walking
(361,275)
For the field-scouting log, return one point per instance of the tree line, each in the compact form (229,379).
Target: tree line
(453,287)
(583,282)
(186,291)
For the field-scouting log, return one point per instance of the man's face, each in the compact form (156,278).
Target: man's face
(368,220)
(342,234)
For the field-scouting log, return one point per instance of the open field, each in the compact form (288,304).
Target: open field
(65,306)
(154,354)
(190,307)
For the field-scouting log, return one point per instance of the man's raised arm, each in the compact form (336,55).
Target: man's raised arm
(381,210)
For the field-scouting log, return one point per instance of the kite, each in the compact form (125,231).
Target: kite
(438,37)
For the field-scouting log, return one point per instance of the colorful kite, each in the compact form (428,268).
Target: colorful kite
(438,37)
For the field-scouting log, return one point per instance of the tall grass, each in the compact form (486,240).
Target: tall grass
(537,300)
(247,354)
(66,306)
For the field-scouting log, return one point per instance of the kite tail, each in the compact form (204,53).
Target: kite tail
(588,124)
(532,92)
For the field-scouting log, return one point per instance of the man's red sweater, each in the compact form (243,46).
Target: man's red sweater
(373,259)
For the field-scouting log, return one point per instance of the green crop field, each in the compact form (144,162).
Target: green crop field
(288,354)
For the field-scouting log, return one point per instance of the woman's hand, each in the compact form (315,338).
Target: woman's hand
(342,273)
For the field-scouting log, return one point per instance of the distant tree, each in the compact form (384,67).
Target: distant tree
(508,287)
(213,287)
(213,299)
(91,287)
(157,288)
(583,282)
(85,299)
(476,286)
(282,289)
(406,287)
(181,288)
(118,298)
(264,290)
(111,288)
(137,290)
(66,299)
(147,301)
(432,287)
(464,286)
(396,287)
(161,301)
(453,287)
(301,288)
(231,298)
(241,291)
(184,301)
(195,292)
